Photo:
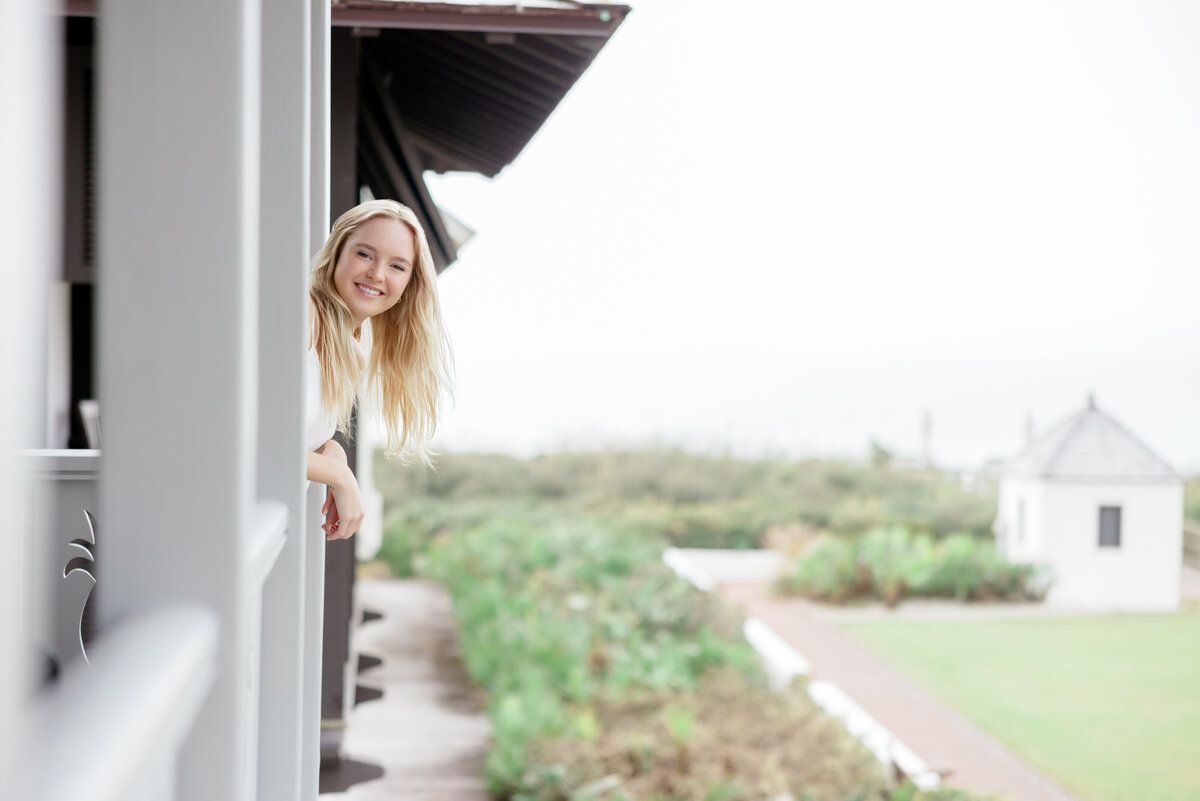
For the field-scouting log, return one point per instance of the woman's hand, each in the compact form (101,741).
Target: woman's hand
(344,508)
(330,510)
(343,503)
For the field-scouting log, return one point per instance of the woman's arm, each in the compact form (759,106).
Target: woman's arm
(344,504)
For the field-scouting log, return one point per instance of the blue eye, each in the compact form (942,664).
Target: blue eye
(364,254)
(399,267)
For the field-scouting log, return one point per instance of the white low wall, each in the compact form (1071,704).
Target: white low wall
(782,662)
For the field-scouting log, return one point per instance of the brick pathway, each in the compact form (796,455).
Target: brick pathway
(428,730)
(946,740)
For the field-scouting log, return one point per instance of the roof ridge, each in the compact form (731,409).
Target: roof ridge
(1071,424)
(1091,445)
(1032,445)
(1138,441)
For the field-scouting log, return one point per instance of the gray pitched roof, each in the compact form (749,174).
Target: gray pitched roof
(1090,446)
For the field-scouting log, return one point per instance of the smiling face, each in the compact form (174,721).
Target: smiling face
(375,266)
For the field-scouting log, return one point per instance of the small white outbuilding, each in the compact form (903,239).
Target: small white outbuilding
(1098,508)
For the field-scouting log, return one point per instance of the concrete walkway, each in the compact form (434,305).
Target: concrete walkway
(946,740)
(428,731)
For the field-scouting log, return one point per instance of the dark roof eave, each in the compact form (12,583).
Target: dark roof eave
(589,20)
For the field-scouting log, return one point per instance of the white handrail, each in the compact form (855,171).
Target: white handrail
(108,727)
(266,539)
(58,462)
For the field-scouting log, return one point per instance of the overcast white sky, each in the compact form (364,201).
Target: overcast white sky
(797,226)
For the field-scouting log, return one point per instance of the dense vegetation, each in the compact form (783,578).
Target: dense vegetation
(608,677)
(605,676)
(687,499)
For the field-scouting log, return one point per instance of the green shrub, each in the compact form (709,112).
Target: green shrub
(577,606)
(827,571)
(891,563)
(908,791)
(969,569)
(401,542)
(956,574)
(712,526)
(518,719)
(895,561)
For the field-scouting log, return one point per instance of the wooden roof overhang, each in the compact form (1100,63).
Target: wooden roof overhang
(460,87)
(473,98)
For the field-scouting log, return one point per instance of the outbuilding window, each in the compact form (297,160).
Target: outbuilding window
(1110,526)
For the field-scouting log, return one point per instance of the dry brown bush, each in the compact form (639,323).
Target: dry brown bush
(748,741)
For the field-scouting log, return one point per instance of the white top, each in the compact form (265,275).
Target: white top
(318,427)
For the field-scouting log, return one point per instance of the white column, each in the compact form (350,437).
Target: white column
(29,223)
(319,85)
(314,630)
(178,203)
(314,562)
(283,328)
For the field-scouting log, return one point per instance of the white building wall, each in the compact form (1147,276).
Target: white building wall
(1019,535)
(1142,574)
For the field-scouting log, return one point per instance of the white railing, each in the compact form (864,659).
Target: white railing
(111,730)
(112,727)
(56,547)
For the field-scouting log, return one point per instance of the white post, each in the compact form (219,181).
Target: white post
(29,222)
(178,203)
(314,630)
(314,561)
(283,329)
(322,21)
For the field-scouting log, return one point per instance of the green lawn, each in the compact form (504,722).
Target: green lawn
(1108,706)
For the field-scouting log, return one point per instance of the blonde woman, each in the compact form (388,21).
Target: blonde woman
(376,331)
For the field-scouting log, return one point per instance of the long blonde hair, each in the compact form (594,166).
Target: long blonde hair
(410,363)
